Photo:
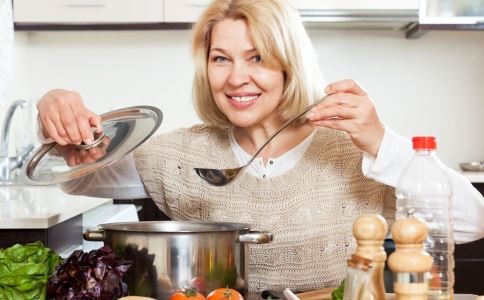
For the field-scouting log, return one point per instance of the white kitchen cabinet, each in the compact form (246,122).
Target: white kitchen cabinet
(171,14)
(184,11)
(88,11)
(388,13)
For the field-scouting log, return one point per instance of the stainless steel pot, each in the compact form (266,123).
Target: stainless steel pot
(172,255)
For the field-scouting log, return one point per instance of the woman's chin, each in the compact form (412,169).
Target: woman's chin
(243,124)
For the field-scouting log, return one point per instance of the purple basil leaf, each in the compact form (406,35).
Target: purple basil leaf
(85,276)
(100,270)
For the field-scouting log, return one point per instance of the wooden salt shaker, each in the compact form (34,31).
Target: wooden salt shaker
(370,231)
(410,263)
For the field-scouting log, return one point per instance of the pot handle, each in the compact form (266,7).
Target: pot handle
(255,237)
(94,235)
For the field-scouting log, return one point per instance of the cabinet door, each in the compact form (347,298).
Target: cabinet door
(184,11)
(87,11)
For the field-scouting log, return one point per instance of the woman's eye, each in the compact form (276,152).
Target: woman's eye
(257,58)
(219,59)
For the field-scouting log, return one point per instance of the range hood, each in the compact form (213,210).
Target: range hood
(449,15)
(358,14)
(359,19)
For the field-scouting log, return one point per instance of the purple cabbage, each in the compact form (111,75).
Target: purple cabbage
(88,276)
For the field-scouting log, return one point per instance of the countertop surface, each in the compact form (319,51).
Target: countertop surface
(23,207)
(474,177)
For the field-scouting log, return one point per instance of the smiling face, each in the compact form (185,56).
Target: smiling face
(246,90)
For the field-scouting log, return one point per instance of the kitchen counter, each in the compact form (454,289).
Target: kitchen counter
(474,177)
(28,207)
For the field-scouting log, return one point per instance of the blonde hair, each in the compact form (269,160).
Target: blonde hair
(280,38)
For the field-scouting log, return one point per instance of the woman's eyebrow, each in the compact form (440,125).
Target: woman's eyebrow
(252,50)
(217,49)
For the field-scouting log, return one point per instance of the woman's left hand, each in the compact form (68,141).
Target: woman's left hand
(350,109)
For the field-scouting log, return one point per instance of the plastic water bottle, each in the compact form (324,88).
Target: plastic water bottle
(424,191)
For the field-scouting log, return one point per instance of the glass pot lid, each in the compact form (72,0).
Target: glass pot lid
(123,131)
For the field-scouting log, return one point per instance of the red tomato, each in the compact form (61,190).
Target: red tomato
(188,294)
(224,294)
(435,282)
(199,284)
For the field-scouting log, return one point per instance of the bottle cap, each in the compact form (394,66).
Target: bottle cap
(424,142)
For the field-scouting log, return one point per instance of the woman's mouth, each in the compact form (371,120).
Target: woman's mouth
(243,101)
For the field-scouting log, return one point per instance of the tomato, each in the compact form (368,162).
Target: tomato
(199,284)
(435,282)
(188,294)
(225,294)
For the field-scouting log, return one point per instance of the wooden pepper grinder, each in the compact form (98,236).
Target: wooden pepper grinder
(370,231)
(410,263)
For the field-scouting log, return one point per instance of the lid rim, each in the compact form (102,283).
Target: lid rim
(31,164)
(118,227)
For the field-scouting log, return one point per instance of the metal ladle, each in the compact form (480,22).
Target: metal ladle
(221,177)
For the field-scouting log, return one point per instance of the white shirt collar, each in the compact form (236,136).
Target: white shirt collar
(275,166)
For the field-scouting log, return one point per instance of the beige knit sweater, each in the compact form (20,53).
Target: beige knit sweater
(310,209)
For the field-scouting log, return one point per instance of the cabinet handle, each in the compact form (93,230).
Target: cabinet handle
(201,4)
(85,3)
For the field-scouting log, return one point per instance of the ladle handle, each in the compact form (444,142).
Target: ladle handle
(288,122)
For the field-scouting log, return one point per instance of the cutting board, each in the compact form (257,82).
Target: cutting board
(325,294)
(321,294)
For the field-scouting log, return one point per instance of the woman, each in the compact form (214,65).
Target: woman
(254,68)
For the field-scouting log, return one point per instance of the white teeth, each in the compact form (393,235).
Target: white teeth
(244,98)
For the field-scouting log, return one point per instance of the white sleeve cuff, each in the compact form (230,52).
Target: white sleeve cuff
(393,155)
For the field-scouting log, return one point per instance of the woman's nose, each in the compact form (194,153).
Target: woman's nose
(239,75)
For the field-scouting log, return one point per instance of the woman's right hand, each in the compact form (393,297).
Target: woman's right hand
(65,119)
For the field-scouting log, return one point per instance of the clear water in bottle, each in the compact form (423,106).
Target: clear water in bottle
(424,191)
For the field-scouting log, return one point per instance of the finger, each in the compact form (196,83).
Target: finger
(88,159)
(344,99)
(336,102)
(95,121)
(52,131)
(96,153)
(85,121)
(71,158)
(61,131)
(105,144)
(340,124)
(85,129)
(69,121)
(85,158)
(333,112)
(107,140)
(78,158)
(346,86)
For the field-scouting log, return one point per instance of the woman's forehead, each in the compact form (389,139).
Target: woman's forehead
(231,33)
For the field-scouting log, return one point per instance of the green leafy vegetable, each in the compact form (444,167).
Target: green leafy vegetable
(24,271)
(337,294)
